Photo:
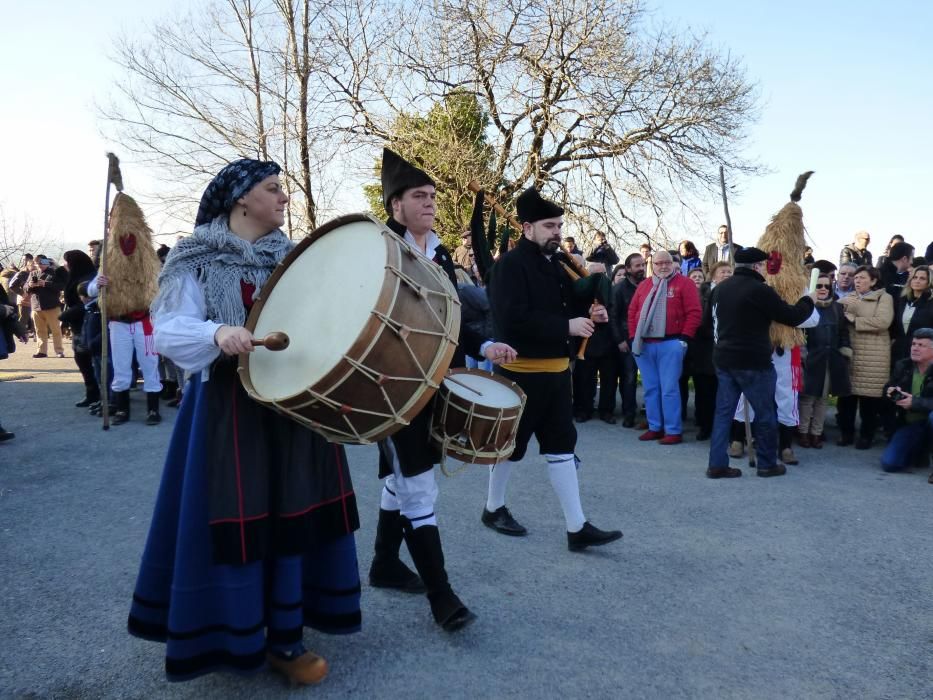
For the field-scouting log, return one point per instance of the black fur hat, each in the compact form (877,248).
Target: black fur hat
(399,175)
(533,207)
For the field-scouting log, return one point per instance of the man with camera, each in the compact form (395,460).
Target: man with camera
(911,389)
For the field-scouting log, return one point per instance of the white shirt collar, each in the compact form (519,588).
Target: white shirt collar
(431,243)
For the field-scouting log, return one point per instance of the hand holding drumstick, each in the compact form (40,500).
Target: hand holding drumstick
(233,340)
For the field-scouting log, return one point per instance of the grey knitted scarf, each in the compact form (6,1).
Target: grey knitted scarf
(219,259)
(652,321)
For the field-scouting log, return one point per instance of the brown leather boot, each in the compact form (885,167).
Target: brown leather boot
(803,439)
(307,669)
(816,441)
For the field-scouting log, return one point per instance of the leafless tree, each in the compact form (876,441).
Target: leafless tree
(20,237)
(623,120)
(587,100)
(229,80)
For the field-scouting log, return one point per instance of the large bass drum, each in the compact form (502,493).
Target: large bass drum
(372,327)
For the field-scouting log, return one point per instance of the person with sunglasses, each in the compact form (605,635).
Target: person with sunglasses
(826,367)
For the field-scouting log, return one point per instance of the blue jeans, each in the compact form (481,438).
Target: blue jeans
(907,446)
(661,365)
(628,383)
(758,386)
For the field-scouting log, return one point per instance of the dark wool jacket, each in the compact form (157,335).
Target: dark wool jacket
(699,358)
(903,376)
(532,300)
(622,295)
(851,254)
(741,310)
(73,315)
(604,254)
(10,326)
(45,298)
(922,318)
(828,346)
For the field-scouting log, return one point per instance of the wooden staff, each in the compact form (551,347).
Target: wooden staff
(115,178)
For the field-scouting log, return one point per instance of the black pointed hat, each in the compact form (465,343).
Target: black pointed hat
(399,175)
(533,207)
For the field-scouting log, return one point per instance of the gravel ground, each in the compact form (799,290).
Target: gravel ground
(814,585)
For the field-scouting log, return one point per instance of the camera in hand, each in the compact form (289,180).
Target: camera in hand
(897,395)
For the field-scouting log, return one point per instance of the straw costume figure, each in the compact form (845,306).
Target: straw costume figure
(132,282)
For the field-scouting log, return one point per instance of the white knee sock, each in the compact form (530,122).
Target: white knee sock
(498,482)
(563,472)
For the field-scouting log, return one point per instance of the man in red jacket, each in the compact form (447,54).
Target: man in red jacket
(664,314)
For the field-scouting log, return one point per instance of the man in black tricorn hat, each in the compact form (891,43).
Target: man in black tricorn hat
(534,310)
(740,311)
(407,458)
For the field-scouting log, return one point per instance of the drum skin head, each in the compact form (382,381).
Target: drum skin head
(372,324)
(321,301)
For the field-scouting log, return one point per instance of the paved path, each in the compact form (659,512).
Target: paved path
(815,585)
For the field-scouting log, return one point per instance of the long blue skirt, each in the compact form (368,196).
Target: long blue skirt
(224,617)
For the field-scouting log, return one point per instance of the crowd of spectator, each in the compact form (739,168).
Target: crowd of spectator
(869,354)
(48,303)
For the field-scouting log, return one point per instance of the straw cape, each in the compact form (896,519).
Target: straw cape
(785,235)
(132,264)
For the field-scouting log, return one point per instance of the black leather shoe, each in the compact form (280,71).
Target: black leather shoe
(628,422)
(460,619)
(6,435)
(590,536)
(723,473)
(776,470)
(703,434)
(501,520)
(607,418)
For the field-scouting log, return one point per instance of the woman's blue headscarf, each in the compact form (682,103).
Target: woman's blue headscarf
(231,183)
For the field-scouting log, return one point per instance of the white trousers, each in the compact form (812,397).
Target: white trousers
(124,338)
(413,496)
(784,394)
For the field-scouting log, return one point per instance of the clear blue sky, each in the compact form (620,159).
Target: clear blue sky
(845,87)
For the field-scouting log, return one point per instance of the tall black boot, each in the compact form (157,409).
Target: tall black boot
(785,444)
(121,407)
(424,544)
(152,408)
(91,396)
(387,570)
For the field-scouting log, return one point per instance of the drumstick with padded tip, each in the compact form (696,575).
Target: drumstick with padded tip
(273,341)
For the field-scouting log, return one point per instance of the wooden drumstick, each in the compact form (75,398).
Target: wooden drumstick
(276,340)
(465,386)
